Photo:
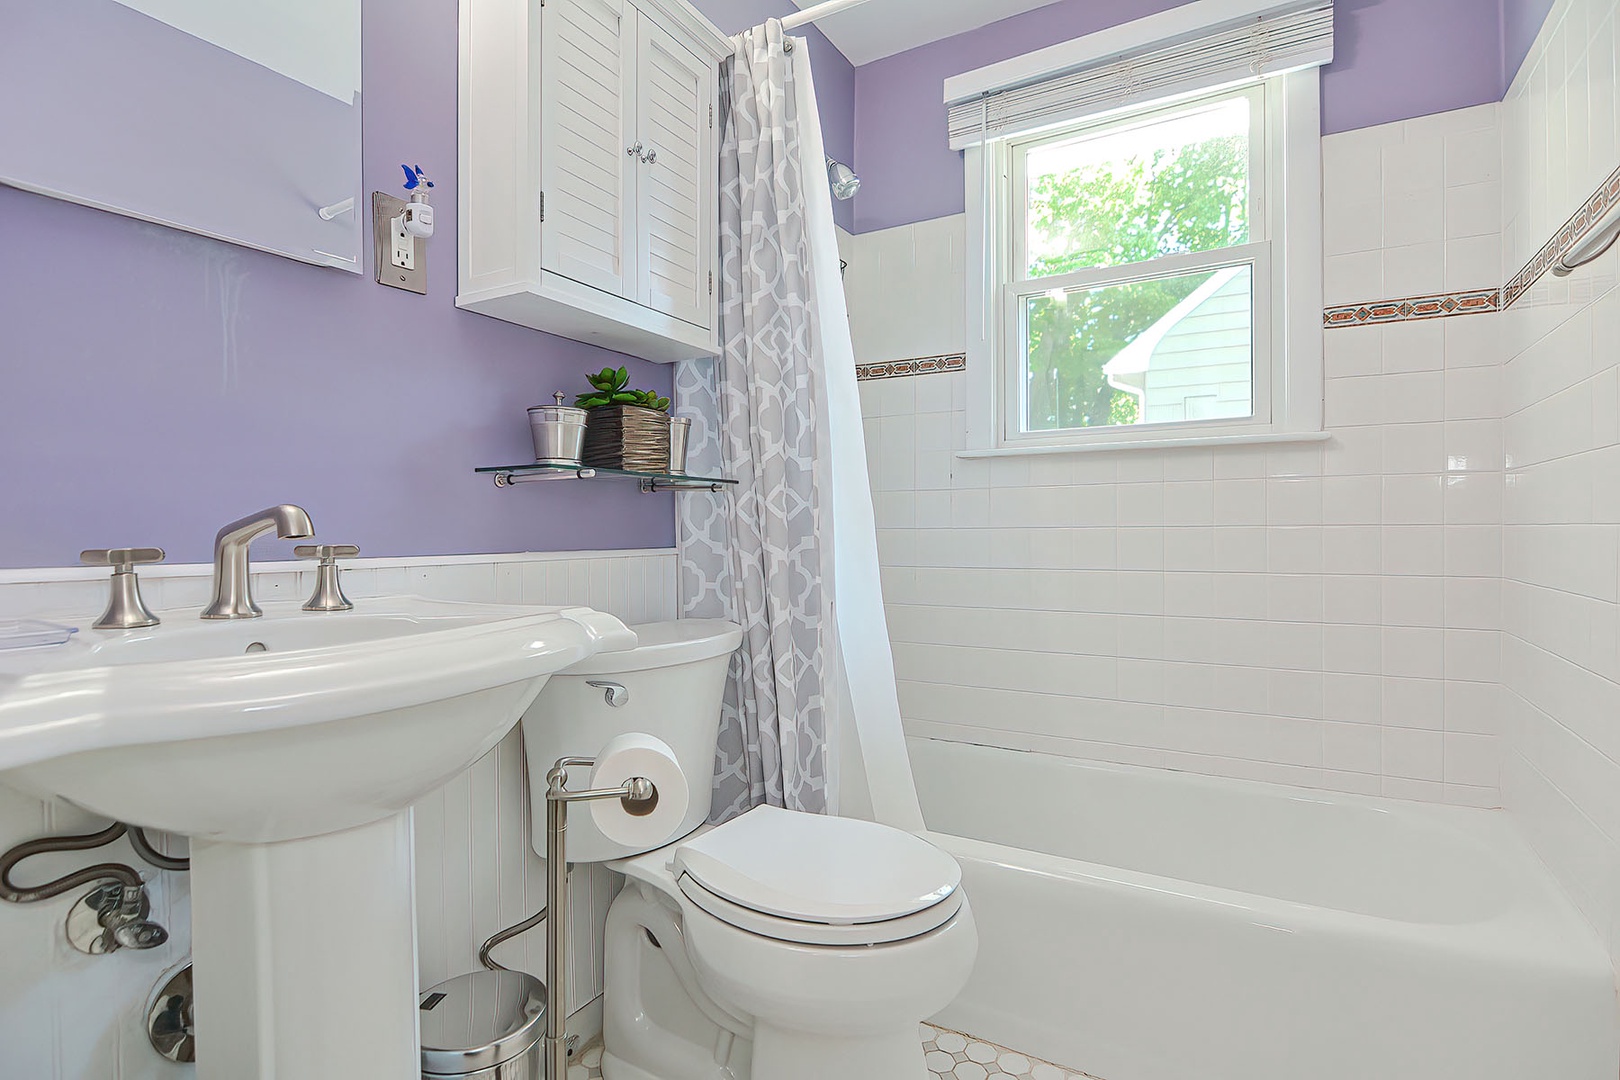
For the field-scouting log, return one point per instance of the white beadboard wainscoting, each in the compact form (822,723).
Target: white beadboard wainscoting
(65,1016)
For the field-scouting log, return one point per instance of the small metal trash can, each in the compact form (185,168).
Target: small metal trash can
(483,1026)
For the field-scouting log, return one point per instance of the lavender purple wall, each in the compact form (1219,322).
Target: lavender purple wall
(1521,22)
(158,384)
(1395,59)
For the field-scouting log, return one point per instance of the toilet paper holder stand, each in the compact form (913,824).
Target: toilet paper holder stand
(639,796)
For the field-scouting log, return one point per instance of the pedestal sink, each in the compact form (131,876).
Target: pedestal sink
(289,748)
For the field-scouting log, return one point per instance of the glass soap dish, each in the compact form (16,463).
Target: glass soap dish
(33,633)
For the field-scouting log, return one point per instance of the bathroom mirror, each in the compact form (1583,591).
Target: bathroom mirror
(239,121)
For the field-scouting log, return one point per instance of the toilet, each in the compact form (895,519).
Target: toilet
(779,945)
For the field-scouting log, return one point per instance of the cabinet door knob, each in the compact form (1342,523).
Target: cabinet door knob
(650,157)
(634,151)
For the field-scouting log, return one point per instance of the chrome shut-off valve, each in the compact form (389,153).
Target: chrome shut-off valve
(112,917)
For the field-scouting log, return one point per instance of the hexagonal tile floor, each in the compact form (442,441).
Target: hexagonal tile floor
(950,1055)
(588,1064)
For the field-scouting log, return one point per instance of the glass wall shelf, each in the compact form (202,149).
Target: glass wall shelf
(509,475)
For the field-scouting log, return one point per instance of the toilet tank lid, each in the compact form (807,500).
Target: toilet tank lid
(666,644)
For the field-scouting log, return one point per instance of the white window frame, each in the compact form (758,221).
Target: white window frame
(1285,248)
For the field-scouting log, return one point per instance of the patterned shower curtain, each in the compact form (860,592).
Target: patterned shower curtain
(762,556)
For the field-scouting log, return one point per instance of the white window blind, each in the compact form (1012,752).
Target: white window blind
(1286,39)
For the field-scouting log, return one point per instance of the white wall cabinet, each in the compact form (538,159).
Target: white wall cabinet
(589,167)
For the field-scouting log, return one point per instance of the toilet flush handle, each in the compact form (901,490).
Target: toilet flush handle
(613,693)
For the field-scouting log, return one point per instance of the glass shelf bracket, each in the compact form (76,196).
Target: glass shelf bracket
(511,475)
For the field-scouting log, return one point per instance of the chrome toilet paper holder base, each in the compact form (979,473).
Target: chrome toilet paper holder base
(638,796)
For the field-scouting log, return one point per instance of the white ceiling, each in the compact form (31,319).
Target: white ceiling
(880,28)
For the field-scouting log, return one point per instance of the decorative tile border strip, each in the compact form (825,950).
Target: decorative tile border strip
(1407,309)
(926,365)
(1583,221)
(1481,301)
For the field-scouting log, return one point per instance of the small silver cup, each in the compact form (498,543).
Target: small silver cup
(680,431)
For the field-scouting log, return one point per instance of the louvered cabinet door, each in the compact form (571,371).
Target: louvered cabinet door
(674,212)
(587,122)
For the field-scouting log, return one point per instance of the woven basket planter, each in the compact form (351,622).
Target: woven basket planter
(627,437)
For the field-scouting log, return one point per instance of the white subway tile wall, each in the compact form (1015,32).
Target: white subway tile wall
(1325,615)
(1561,437)
(74,1017)
(1413,208)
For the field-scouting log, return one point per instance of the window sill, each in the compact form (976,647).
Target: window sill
(1191,441)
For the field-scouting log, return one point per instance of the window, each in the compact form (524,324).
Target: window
(1151,273)
(1139,265)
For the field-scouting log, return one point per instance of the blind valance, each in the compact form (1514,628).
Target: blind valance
(1286,39)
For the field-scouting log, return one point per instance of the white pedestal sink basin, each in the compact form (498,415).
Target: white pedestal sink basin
(289,748)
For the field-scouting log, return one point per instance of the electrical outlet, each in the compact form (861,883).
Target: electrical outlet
(402,252)
(401,259)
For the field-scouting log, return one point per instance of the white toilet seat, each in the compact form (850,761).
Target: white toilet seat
(799,932)
(807,868)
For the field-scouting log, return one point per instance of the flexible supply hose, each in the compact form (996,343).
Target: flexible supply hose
(13,893)
(153,857)
(124,875)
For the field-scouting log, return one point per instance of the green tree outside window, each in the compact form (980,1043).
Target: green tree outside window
(1174,200)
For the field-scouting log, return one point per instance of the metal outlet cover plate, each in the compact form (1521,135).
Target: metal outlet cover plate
(384,209)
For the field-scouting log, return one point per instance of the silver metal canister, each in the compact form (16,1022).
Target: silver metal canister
(483,1026)
(559,433)
(680,433)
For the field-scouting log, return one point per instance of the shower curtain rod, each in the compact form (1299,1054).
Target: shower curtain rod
(820,11)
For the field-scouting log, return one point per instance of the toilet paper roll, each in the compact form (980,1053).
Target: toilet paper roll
(637,825)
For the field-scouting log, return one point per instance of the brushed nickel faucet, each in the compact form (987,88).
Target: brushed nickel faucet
(328,594)
(233,594)
(125,610)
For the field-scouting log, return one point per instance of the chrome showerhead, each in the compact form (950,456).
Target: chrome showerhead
(843,179)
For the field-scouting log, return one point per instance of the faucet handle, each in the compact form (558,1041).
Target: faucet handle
(121,558)
(326,552)
(328,594)
(125,608)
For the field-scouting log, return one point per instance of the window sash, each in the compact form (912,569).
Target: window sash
(1020,149)
(1015,357)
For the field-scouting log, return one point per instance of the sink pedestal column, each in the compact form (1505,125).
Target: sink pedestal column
(304,956)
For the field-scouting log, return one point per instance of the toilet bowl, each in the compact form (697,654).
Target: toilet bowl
(779,945)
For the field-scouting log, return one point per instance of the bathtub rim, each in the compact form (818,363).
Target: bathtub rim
(1537,918)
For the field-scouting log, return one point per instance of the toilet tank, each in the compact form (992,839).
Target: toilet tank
(673,683)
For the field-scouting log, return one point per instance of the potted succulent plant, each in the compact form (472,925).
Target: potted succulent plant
(624,428)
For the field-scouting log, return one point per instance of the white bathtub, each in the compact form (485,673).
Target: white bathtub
(1147,925)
